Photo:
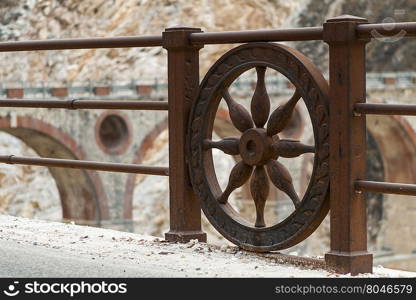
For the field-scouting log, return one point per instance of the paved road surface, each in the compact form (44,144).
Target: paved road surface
(17,260)
(33,248)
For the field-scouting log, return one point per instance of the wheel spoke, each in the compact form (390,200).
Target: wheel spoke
(238,176)
(260,103)
(281,178)
(280,117)
(238,114)
(291,148)
(259,187)
(228,145)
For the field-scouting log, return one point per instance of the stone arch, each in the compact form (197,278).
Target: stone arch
(146,144)
(396,140)
(81,193)
(223,128)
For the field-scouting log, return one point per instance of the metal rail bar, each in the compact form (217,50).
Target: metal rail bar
(86,104)
(83,43)
(386,187)
(385,109)
(385,30)
(83,164)
(291,34)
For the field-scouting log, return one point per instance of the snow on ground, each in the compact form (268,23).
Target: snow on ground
(177,260)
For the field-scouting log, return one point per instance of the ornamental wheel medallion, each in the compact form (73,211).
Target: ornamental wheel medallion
(259,146)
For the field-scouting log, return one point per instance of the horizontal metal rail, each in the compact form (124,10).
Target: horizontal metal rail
(291,34)
(386,187)
(83,43)
(385,109)
(385,30)
(86,104)
(83,164)
(295,34)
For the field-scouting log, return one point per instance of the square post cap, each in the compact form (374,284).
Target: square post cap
(343,29)
(177,37)
(347,18)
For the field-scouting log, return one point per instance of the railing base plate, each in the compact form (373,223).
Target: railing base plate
(185,236)
(349,262)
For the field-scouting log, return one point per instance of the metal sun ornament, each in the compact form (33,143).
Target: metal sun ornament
(260,147)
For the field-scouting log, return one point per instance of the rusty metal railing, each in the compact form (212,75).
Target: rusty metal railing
(346,36)
(385,109)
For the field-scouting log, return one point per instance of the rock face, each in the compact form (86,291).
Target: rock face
(381,56)
(47,19)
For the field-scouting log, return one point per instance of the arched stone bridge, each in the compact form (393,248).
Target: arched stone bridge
(91,197)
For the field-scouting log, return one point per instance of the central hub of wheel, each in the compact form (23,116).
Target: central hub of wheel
(255,146)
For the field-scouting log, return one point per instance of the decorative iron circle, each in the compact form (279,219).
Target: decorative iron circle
(259,147)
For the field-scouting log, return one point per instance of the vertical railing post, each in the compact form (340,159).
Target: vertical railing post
(347,132)
(183,81)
